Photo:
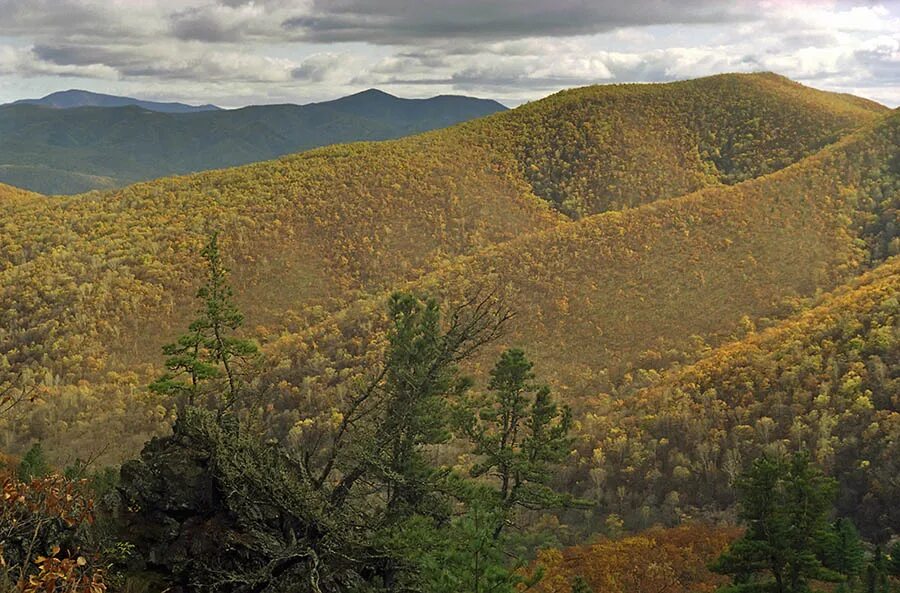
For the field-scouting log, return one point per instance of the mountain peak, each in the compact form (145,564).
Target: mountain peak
(73,98)
(373,92)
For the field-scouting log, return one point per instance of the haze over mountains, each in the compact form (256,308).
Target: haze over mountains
(58,146)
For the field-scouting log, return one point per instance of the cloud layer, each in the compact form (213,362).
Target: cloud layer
(240,51)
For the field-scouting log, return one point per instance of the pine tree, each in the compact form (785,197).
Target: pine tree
(378,463)
(893,564)
(34,464)
(519,432)
(579,585)
(219,318)
(209,350)
(877,573)
(464,555)
(784,505)
(421,375)
(846,554)
(405,408)
(186,368)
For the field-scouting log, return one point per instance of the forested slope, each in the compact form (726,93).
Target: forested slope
(647,287)
(91,286)
(826,380)
(8,192)
(608,147)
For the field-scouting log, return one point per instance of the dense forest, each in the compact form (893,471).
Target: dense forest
(629,338)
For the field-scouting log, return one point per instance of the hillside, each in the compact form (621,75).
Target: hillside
(826,379)
(8,192)
(610,147)
(68,151)
(93,285)
(79,98)
(648,287)
(671,560)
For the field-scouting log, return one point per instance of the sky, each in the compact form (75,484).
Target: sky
(240,52)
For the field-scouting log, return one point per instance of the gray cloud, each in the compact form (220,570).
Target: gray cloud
(548,69)
(70,19)
(404,21)
(881,61)
(513,50)
(201,25)
(166,62)
(229,23)
(321,67)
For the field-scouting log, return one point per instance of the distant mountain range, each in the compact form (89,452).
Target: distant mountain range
(79,98)
(76,141)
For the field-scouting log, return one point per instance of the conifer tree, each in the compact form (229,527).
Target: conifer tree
(420,375)
(405,408)
(877,573)
(893,564)
(579,585)
(519,432)
(784,504)
(34,464)
(846,554)
(209,350)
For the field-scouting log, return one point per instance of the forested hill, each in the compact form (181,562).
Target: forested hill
(67,151)
(9,192)
(93,285)
(610,147)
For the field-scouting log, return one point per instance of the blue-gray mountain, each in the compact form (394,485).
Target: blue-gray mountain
(79,98)
(69,150)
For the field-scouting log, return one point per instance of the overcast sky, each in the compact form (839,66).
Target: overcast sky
(238,52)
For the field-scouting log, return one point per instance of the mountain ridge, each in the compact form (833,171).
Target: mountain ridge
(76,98)
(71,151)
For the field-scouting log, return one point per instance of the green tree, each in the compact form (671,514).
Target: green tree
(579,585)
(209,350)
(893,563)
(34,464)
(846,554)
(462,555)
(387,427)
(401,412)
(421,375)
(519,433)
(186,370)
(784,504)
(877,573)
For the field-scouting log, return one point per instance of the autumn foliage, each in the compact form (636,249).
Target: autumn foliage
(654,561)
(698,206)
(43,525)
